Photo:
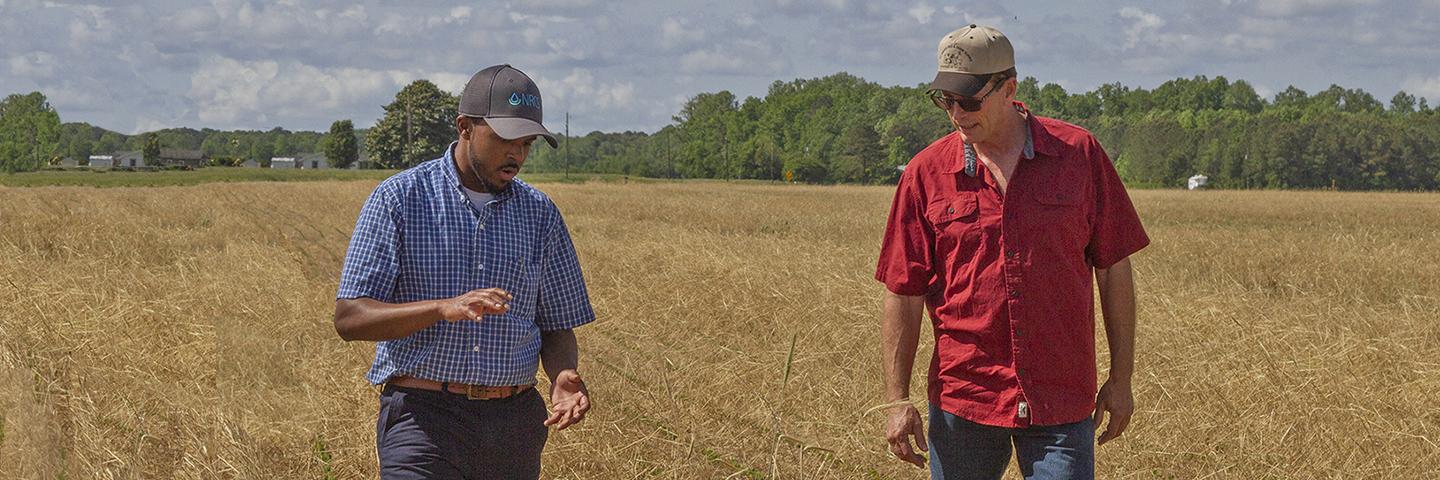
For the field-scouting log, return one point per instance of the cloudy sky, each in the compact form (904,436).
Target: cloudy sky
(629,65)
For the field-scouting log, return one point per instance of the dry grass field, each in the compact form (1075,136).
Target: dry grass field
(184,332)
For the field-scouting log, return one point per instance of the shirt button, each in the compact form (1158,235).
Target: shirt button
(477,348)
(482,226)
(1014,293)
(480,266)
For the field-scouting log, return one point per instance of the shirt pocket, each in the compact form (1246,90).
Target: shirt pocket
(953,215)
(522,280)
(1060,217)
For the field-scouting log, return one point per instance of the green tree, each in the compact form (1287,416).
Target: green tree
(417,126)
(29,132)
(151,151)
(261,151)
(341,148)
(1051,101)
(706,121)
(110,143)
(1402,103)
(1241,96)
(1292,97)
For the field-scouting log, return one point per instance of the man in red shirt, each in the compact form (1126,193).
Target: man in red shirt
(996,229)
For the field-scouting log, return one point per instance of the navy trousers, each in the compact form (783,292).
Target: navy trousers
(434,435)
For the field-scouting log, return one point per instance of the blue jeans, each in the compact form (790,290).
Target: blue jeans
(961,449)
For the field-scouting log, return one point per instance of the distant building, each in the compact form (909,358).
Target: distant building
(130,159)
(1198,182)
(69,162)
(313,161)
(250,164)
(283,162)
(101,161)
(171,157)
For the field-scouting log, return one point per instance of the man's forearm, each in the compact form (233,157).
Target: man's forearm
(559,351)
(373,320)
(900,336)
(1117,305)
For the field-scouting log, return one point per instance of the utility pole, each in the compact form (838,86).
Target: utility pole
(567,144)
(725,149)
(405,149)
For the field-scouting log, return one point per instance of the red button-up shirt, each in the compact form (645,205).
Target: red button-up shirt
(1007,277)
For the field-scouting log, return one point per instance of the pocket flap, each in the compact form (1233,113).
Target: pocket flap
(946,210)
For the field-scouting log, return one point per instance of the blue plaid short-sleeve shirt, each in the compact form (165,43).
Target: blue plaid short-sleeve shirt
(420,238)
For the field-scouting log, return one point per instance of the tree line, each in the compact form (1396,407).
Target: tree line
(32,137)
(843,129)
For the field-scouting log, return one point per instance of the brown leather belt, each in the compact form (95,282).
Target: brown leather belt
(473,392)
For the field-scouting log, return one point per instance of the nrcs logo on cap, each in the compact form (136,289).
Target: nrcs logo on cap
(517,99)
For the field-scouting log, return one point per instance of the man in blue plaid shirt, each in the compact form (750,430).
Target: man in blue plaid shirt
(467,279)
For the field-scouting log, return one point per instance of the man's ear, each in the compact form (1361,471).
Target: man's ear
(463,126)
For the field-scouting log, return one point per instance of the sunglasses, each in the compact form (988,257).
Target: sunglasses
(969,104)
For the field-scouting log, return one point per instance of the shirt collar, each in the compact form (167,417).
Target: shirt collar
(1037,139)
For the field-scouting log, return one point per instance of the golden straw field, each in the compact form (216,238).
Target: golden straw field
(185,332)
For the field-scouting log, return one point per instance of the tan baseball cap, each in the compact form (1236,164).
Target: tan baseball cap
(969,56)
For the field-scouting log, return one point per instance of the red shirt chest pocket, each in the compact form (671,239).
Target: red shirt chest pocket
(1060,217)
(954,216)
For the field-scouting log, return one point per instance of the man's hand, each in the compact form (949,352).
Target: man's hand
(474,304)
(905,422)
(569,400)
(1115,398)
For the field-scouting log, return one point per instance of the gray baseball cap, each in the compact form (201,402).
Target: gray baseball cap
(968,57)
(508,101)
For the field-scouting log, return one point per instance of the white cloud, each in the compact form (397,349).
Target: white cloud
(1428,87)
(193,19)
(450,82)
(1292,8)
(247,94)
(35,66)
(1143,26)
(581,91)
(560,4)
(412,26)
(533,36)
(562,48)
(679,32)
(745,58)
(969,16)
(922,12)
